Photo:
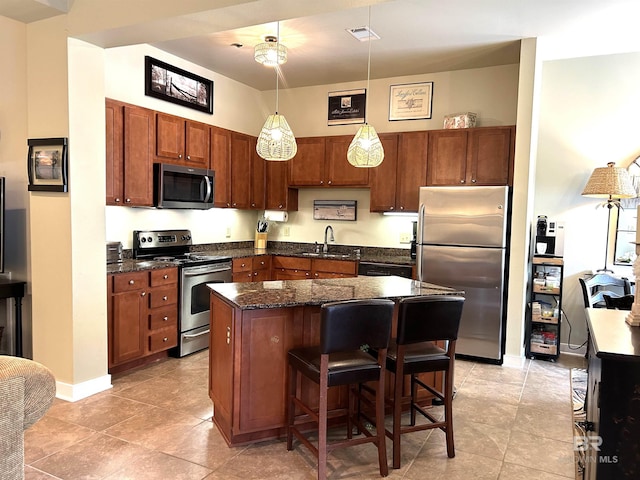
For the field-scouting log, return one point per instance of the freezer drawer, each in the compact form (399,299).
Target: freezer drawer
(479,272)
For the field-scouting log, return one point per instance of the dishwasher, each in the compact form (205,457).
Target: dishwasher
(374,269)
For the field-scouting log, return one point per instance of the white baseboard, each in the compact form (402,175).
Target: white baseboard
(73,393)
(574,350)
(513,361)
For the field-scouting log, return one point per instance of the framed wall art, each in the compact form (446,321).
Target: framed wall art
(47,164)
(347,107)
(176,85)
(411,101)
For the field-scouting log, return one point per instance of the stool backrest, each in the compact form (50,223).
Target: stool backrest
(594,287)
(346,326)
(429,318)
(619,303)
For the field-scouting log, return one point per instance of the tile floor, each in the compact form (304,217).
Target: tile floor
(155,423)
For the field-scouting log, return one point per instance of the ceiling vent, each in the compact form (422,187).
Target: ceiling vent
(363,34)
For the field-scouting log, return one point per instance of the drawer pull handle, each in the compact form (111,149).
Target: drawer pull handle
(131,282)
(164,319)
(164,298)
(165,339)
(165,276)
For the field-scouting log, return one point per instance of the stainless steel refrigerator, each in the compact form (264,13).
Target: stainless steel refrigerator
(462,242)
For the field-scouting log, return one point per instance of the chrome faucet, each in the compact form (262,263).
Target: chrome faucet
(325,247)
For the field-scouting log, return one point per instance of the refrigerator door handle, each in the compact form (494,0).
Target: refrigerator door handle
(419,242)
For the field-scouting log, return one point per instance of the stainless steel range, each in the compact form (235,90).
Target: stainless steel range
(196,270)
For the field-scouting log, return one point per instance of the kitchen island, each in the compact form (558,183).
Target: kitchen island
(254,325)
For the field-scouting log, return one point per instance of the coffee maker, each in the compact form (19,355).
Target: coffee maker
(414,239)
(549,237)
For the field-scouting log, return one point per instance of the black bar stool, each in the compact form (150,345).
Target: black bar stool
(347,329)
(422,321)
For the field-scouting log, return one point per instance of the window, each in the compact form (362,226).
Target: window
(625,249)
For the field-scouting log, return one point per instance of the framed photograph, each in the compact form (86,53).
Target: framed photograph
(175,85)
(411,101)
(335,209)
(47,164)
(347,107)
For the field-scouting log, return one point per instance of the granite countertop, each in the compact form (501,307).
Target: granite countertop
(291,293)
(241,250)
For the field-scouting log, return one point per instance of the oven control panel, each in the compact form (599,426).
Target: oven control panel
(143,239)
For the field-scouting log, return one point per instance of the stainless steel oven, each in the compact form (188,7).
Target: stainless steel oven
(196,270)
(194,303)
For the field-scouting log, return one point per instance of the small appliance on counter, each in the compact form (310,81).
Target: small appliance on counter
(549,239)
(413,239)
(114,252)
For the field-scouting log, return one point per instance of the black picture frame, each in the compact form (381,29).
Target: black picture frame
(178,86)
(47,164)
(347,107)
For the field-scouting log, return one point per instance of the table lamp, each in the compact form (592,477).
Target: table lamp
(611,183)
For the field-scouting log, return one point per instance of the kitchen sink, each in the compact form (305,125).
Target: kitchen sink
(326,255)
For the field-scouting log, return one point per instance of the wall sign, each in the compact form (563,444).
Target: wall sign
(411,101)
(334,209)
(347,107)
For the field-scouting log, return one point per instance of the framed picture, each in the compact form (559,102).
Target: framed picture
(335,209)
(411,101)
(347,107)
(175,85)
(47,164)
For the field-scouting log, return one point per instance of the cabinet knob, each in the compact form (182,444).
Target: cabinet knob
(401,208)
(165,339)
(321,182)
(255,274)
(262,262)
(131,282)
(473,180)
(164,319)
(128,200)
(462,181)
(280,206)
(142,294)
(329,182)
(164,298)
(242,265)
(253,204)
(179,155)
(117,200)
(165,276)
(391,208)
(228,204)
(188,157)
(315,274)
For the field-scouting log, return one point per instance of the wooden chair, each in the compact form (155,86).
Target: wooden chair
(619,303)
(340,359)
(594,287)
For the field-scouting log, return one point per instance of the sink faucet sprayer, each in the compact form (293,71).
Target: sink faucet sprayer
(325,247)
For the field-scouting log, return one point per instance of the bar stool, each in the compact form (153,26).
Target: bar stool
(422,321)
(347,329)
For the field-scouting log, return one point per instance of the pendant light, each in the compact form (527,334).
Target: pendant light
(276,141)
(366,150)
(270,53)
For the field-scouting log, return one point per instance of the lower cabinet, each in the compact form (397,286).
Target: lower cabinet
(297,268)
(142,315)
(251,269)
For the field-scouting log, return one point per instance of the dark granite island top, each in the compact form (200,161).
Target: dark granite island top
(255,324)
(291,293)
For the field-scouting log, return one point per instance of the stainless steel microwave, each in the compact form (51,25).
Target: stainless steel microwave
(176,186)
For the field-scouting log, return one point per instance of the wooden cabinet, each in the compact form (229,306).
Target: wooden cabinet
(322,162)
(143,315)
(221,165)
(241,156)
(252,269)
(181,141)
(129,150)
(298,268)
(278,195)
(258,178)
(384,177)
(475,156)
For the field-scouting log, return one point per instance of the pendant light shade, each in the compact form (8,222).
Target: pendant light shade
(276,141)
(365,149)
(270,53)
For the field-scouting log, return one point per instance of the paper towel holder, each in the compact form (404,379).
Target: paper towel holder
(276,215)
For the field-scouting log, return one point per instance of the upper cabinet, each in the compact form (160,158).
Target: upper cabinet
(278,195)
(258,178)
(322,162)
(221,165)
(181,141)
(395,183)
(129,152)
(240,170)
(475,156)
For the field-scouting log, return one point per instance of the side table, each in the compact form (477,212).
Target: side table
(15,289)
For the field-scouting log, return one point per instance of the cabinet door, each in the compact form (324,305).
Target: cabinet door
(128,329)
(489,156)
(307,168)
(169,137)
(138,152)
(221,165)
(221,355)
(278,195)
(197,144)
(412,169)
(447,158)
(340,173)
(257,178)
(240,170)
(114,152)
(383,177)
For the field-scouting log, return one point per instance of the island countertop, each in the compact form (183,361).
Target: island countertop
(290,293)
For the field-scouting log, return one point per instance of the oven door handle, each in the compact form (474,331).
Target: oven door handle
(194,335)
(197,273)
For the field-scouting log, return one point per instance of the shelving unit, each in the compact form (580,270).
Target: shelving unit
(545,308)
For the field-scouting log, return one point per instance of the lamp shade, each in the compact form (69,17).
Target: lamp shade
(276,141)
(610,182)
(365,149)
(270,53)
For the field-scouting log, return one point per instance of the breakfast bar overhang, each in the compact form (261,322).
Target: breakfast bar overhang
(255,324)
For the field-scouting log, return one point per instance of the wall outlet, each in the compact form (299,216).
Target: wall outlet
(286,231)
(405,238)
(228,232)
